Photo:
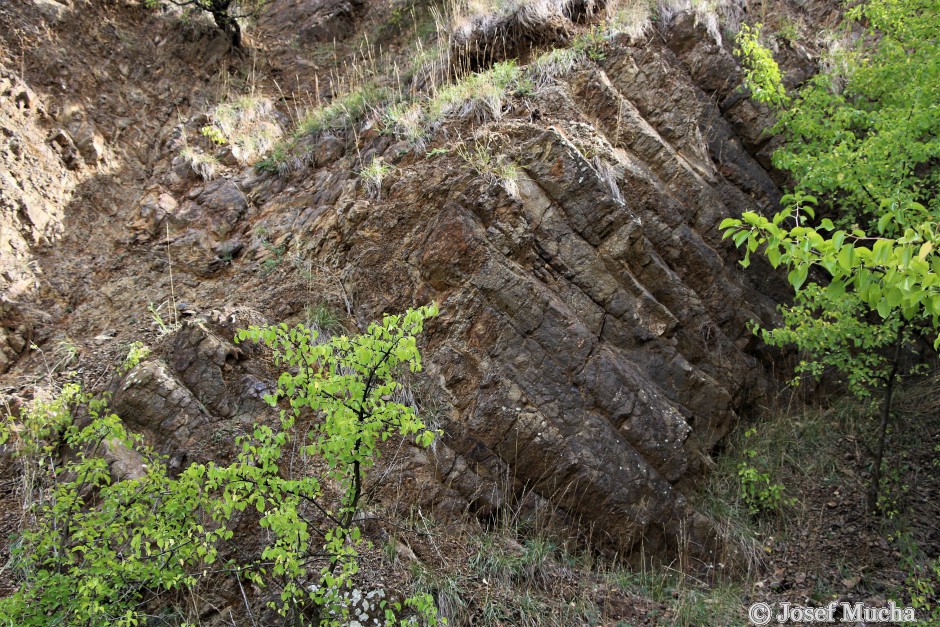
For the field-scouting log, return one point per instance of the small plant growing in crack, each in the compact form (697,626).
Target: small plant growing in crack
(136,352)
(494,168)
(206,166)
(214,134)
(163,327)
(270,264)
(372,176)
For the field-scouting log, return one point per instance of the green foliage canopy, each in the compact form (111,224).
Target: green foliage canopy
(862,144)
(96,545)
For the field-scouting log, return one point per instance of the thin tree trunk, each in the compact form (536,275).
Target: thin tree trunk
(229,26)
(875,487)
(226,23)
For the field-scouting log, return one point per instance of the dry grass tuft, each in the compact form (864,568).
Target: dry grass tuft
(493,167)
(248,124)
(205,165)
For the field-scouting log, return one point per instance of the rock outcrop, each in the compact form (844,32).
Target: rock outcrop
(316,21)
(592,349)
(193,398)
(35,186)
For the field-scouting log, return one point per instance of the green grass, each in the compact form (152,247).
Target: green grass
(246,123)
(512,574)
(406,121)
(493,167)
(448,590)
(323,319)
(507,579)
(342,112)
(372,176)
(687,600)
(554,64)
(789,447)
(479,95)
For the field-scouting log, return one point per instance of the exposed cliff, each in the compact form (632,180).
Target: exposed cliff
(592,351)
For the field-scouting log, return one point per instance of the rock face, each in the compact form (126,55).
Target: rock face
(592,348)
(35,186)
(193,398)
(316,21)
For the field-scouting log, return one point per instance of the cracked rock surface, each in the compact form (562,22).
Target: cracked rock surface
(592,349)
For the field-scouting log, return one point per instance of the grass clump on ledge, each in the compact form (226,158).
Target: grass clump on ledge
(341,113)
(205,165)
(555,63)
(478,95)
(494,168)
(406,121)
(372,176)
(247,124)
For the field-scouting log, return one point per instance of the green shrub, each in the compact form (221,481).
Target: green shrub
(214,134)
(859,144)
(923,586)
(136,352)
(98,548)
(592,43)
(761,73)
(350,383)
(758,491)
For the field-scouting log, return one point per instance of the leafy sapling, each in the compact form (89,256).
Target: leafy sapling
(349,385)
(860,144)
(98,548)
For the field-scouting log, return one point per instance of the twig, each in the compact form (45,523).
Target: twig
(176,322)
(245,599)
